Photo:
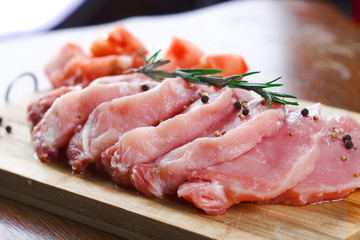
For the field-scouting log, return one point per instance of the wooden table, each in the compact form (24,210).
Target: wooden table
(319,58)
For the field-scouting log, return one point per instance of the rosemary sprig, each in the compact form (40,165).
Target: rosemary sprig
(205,77)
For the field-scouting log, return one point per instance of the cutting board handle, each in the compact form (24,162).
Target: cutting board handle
(21,76)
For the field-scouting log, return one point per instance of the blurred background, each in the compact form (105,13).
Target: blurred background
(19,17)
(313,44)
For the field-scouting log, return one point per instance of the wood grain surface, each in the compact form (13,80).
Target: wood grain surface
(318,55)
(20,221)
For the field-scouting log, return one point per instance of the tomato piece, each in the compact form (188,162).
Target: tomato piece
(118,42)
(182,54)
(230,64)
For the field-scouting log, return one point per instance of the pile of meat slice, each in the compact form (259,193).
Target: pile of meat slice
(163,138)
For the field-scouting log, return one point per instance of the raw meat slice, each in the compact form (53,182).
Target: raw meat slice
(56,65)
(169,171)
(146,144)
(72,109)
(37,108)
(276,164)
(334,176)
(110,120)
(242,95)
(131,78)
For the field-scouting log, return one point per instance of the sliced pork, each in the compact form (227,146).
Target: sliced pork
(54,69)
(337,171)
(72,109)
(111,120)
(130,78)
(37,108)
(276,164)
(225,141)
(146,144)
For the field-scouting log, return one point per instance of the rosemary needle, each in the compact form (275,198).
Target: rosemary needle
(206,77)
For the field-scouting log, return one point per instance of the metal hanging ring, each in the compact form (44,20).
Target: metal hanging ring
(29,74)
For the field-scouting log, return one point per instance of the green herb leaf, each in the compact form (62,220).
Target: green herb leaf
(206,77)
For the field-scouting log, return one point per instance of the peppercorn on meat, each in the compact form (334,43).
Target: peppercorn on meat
(111,120)
(71,110)
(37,108)
(232,137)
(337,170)
(146,144)
(277,163)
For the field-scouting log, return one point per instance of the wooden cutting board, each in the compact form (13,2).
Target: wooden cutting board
(94,200)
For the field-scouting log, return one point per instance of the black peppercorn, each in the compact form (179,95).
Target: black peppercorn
(245,111)
(8,129)
(305,112)
(347,137)
(0,121)
(205,98)
(144,87)
(349,144)
(237,105)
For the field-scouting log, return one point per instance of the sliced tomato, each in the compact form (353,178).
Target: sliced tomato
(230,64)
(182,54)
(118,42)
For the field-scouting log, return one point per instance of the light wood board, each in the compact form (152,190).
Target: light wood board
(94,200)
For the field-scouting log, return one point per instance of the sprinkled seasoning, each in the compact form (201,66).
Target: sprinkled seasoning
(305,112)
(343,157)
(356,174)
(335,129)
(217,134)
(245,111)
(349,144)
(341,130)
(79,116)
(160,121)
(237,105)
(347,137)
(316,117)
(192,100)
(203,94)
(263,101)
(144,87)
(223,132)
(244,105)
(1,121)
(333,135)
(205,98)
(184,107)
(291,134)
(8,129)
(73,167)
(241,116)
